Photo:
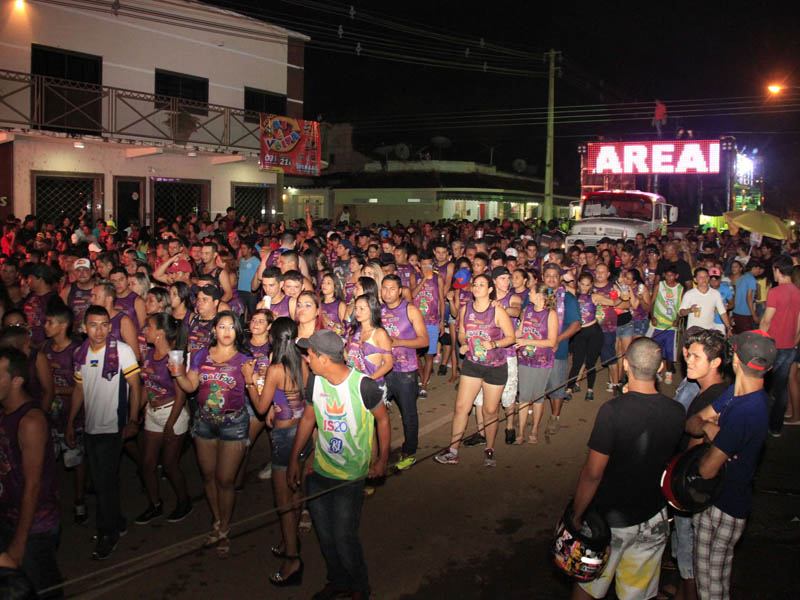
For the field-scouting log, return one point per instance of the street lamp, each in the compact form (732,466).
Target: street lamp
(774,88)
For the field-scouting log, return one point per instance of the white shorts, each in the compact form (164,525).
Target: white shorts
(510,390)
(156,418)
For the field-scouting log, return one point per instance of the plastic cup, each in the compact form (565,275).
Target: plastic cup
(175,361)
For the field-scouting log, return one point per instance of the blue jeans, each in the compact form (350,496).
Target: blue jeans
(336,516)
(404,387)
(778,386)
(683,545)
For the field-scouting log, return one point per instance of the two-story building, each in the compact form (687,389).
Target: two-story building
(140,109)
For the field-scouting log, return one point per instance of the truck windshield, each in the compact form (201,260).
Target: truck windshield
(622,206)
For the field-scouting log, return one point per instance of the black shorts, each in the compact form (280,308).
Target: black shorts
(491,375)
(445,338)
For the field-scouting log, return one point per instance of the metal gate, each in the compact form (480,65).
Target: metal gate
(56,197)
(251,201)
(173,198)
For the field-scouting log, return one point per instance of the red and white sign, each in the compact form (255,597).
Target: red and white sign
(676,157)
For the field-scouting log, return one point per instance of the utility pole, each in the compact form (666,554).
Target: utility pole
(548,168)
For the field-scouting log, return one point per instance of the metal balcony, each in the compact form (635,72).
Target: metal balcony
(35,102)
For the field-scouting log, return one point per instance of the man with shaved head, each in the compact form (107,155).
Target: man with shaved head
(634,436)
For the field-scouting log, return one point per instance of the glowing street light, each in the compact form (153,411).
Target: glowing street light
(774,88)
(19,4)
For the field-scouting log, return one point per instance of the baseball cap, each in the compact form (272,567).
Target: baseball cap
(324,341)
(94,247)
(714,272)
(512,252)
(755,349)
(180,265)
(461,278)
(82,263)
(499,272)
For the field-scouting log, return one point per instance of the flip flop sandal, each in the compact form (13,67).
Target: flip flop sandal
(224,544)
(213,537)
(304,526)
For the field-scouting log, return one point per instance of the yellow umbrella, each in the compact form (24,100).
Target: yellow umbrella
(757,221)
(733,228)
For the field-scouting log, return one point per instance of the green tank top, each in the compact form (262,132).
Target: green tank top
(345,428)
(665,308)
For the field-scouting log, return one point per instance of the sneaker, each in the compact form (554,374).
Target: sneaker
(405,462)
(265,472)
(490,460)
(106,544)
(122,530)
(446,457)
(668,378)
(423,393)
(610,386)
(567,394)
(81,513)
(150,513)
(442,370)
(511,436)
(475,440)
(576,387)
(775,434)
(437,358)
(182,510)
(589,395)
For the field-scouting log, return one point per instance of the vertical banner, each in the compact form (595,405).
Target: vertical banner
(6,180)
(291,145)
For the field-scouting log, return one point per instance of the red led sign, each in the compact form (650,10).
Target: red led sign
(667,157)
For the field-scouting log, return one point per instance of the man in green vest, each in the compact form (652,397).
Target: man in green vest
(343,404)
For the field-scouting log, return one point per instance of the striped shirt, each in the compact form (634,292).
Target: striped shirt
(665,307)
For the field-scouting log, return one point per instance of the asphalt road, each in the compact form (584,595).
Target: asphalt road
(433,531)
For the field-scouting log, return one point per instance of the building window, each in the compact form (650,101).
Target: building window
(70,98)
(184,87)
(58,196)
(259,101)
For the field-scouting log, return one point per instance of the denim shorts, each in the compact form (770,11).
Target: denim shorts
(282,442)
(625,331)
(433,338)
(230,429)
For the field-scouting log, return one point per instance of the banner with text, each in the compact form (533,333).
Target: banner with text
(291,145)
(662,157)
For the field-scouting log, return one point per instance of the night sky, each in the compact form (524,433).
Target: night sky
(620,53)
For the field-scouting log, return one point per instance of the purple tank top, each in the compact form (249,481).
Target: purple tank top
(116,325)
(357,352)
(261,354)
(349,291)
(34,308)
(639,313)
(587,308)
(63,377)
(127,305)
(534,326)
(398,325)
(78,300)
(606,315)
(506,303)
(281,309)
(236,304)
(427,301)
(222,386)
(142,341)
(199,333)
(287,409)
(12,481)
(404,273)
(330,316)
(481,329)
(158,383)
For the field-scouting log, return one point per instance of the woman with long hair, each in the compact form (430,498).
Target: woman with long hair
(282,400)
(484,329)
(260,323)
(357,264)
(139,283)
(333,308)
(155,301)
(373,270)
(369,348)
(364,285)
(307,314)
(180,301)
(323,266)
(536,335)
(221,423)
(166,419)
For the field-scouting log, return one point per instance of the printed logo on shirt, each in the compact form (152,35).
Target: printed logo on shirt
(334,409)
(336,446)
(334,426)
(94,363)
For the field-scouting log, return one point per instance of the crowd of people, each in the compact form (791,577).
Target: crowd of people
(133,341)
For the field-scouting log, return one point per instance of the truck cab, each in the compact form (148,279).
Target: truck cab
(621,214)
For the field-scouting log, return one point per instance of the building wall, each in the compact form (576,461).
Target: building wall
(392,205)
(133,48)
(59,156)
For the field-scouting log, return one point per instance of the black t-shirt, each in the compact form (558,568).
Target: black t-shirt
(639,433)
(371,394)
(684,270)
(700,401)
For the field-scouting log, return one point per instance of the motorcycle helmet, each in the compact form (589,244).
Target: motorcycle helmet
(682,485)
(582,554)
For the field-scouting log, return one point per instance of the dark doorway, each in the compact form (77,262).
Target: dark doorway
(129,195)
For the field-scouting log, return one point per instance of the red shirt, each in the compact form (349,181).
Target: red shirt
(785,299)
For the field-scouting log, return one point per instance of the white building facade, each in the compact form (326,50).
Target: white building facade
(141,109)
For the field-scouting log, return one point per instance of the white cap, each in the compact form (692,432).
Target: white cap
(93,247)
(512,252)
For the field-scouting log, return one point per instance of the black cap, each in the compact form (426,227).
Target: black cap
(499,271)
(755,349)
(324,341)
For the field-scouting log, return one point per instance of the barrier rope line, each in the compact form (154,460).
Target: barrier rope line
(192,541)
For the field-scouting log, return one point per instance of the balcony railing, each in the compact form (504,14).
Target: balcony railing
(45,103)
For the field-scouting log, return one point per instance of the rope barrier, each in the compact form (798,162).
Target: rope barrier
(194,540)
